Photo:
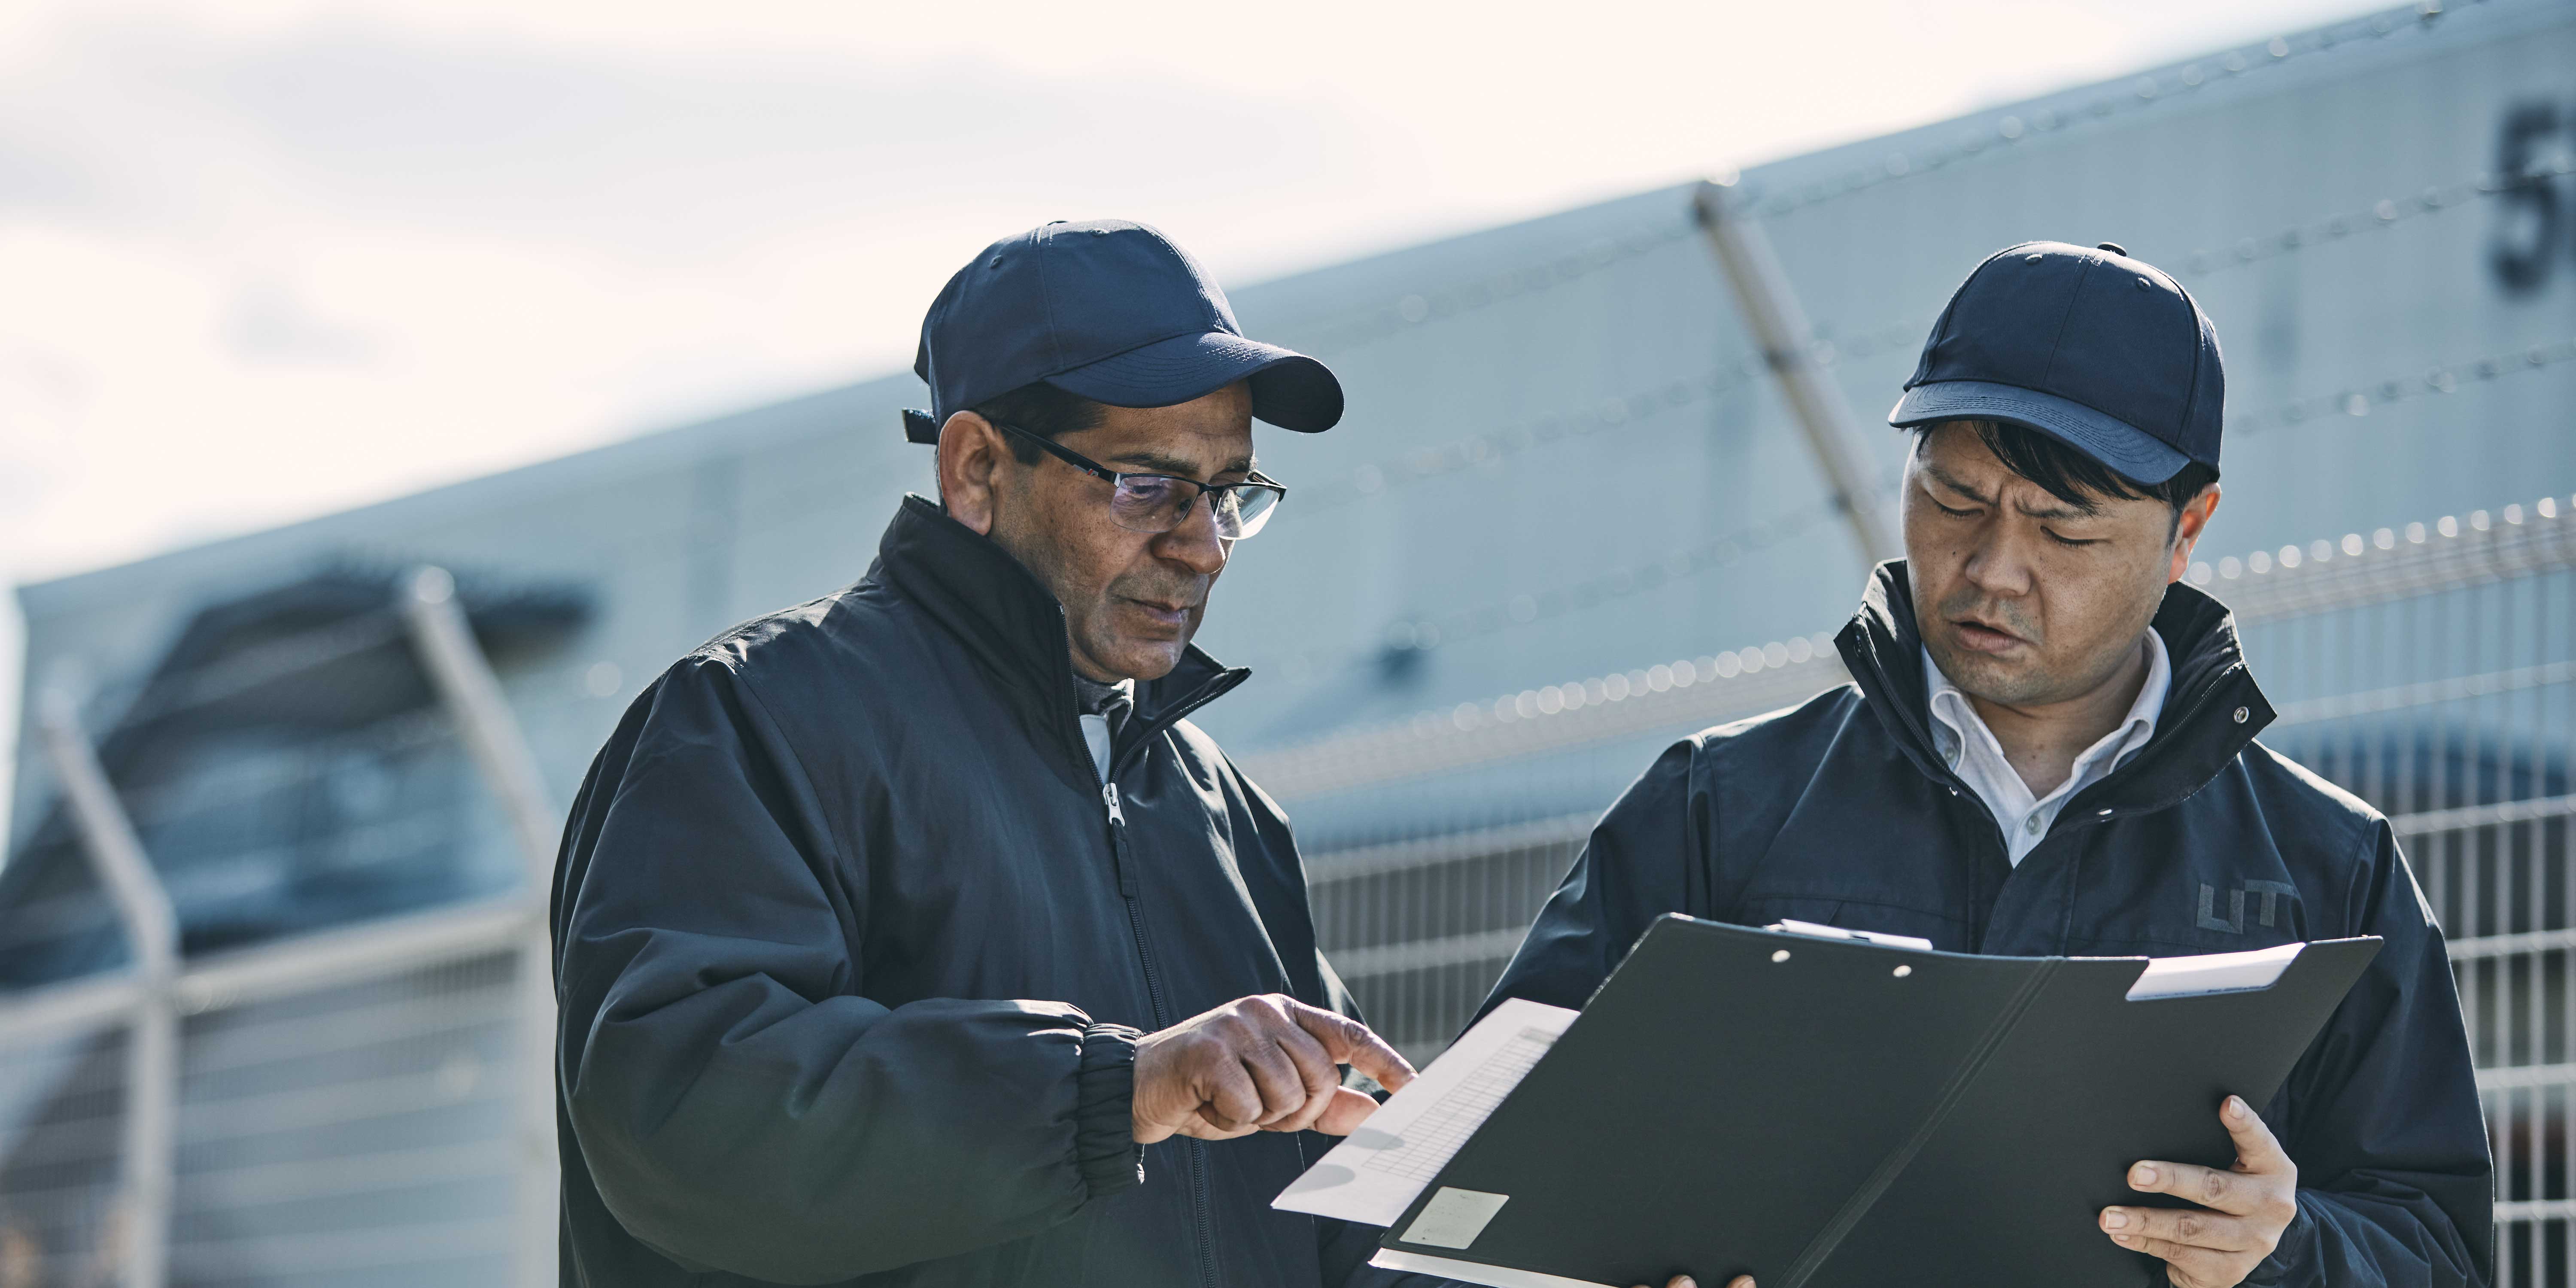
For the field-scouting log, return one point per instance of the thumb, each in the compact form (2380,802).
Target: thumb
(2256,1148)
(1162,1099)
(1347,1111)
(1154,1116)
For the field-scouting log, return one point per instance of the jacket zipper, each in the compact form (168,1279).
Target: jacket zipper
(1192,1150)
(1946,777)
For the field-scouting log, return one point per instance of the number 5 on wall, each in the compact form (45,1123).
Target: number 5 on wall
(2530,224)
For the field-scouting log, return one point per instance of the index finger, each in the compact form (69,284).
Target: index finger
(2257,1150)
(1349,1042)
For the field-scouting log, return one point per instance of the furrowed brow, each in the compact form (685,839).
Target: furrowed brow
(1158,463)
(1955,484)
(2060,512)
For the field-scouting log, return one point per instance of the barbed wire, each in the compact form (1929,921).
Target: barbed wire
(2263,586)
(1638,409)
(2386,212)
(1374,322)
(1609,415)
(1374,478)
(563,684)
(1833,346)
(1602,589)
(2356,400)
(1440,459)
(1616,412)
(1349,328)
(2147,91)
(1530,608)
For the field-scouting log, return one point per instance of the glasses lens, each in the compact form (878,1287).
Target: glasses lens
(1246,507)
(1150,502)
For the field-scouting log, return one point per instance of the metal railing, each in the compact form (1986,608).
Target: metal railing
(370,1105)
(2430,669)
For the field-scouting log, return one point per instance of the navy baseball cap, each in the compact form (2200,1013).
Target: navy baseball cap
(1106,310)
(2104,353)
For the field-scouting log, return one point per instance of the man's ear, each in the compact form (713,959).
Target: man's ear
(972,456)
(2188,526)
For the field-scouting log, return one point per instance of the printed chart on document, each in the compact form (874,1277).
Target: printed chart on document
(1373,1175)
(1438,1134)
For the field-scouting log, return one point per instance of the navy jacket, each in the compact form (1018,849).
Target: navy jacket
(852,959)
(1840,811)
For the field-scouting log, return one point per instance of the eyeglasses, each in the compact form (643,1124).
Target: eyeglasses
(1160,502)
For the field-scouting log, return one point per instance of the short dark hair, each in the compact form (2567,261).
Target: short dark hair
(1043,410)
(2070,475)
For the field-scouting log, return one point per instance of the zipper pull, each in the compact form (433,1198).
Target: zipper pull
(1118,841)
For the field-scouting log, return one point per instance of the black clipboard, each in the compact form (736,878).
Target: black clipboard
(1823,1113)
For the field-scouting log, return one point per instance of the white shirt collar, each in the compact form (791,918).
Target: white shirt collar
(1096,733)
(1962,738)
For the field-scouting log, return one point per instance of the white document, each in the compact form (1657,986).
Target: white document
(1475,1272)
(2213,972)
(1374,1174)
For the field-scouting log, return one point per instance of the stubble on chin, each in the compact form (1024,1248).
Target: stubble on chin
(1143,659)
(1982,675)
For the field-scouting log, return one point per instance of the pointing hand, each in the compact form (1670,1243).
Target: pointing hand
(1262,1063)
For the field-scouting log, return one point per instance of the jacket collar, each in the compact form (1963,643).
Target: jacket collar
(1010,623)
(2197,735)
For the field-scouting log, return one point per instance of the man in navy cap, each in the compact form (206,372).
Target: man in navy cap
(913,935)
(2047,748)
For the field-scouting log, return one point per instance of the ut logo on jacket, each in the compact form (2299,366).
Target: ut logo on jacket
(2268,911)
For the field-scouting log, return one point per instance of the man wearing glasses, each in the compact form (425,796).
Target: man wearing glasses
(913,935)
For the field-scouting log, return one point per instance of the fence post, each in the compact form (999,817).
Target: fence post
(1770,311)
(107,838)
(465,684)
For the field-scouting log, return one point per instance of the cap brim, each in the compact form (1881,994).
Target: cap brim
(2134,453)
(1289,389)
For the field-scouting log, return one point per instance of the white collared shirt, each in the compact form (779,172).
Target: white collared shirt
(1096,732)
(1962,738)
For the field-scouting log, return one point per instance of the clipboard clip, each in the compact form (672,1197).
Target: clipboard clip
(1822,931)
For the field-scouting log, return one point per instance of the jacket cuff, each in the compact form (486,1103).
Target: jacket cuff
(1104,1117)
(2296,1249)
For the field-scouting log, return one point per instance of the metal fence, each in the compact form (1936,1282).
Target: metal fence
(2430,669)
(347,1110)
(372,1106)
